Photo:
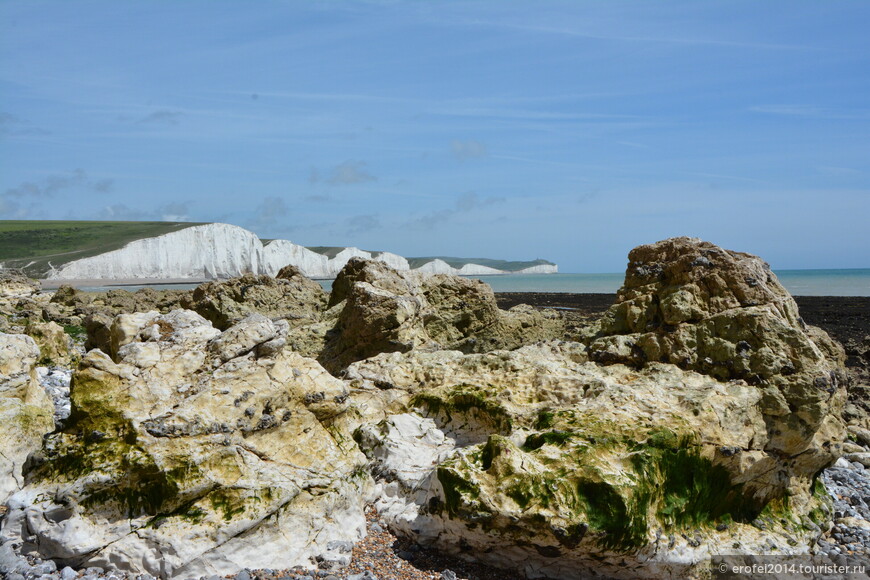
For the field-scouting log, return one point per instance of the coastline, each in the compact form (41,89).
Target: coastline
(845,318)
(120,283)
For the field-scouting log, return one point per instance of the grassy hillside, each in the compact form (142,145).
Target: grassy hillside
(506,265)
(328,251)
(34,246)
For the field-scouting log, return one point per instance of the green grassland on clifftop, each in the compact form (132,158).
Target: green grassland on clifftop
(36,246)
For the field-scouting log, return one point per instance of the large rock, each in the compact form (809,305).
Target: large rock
(541,461)
(694,422)
(193,452)
(464,316)
(25,409)
(380,310)
(15,285)
(18,297)
(724,314)
(55,345)
(385,310)
(289,295)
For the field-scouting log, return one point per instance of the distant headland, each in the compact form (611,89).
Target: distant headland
(71,250)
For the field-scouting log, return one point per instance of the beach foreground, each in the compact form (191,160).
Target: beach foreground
(547,439)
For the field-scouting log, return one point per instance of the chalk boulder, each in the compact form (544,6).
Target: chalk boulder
(192,453)
(25,409)
(289,296)
(694,422)
(724,314)
(385,310)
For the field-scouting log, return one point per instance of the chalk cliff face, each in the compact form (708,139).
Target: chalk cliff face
(214,251)
(441,267)
(208,252)
(539,269)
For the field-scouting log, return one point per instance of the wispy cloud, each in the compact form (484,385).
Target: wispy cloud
(463,204)
(840,171)
(121,212)
(729,177)
(690,41)
(463,150)
(362,223)
(28,199)
(270,211)
(10,209)
(812,111)
(170,212)
(348,173)
(524,114)
(162,117)
(319,97)
(14,125)
(175,212)
(56,182)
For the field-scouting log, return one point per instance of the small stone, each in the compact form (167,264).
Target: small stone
(244,575)
(44,567)
(343,546)
(448,575)
(68,573)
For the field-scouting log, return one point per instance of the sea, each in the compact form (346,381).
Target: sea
(850,282)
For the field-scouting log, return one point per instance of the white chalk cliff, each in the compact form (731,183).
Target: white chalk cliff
(214,251)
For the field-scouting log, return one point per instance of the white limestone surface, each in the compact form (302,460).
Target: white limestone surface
(219,251)
(540,269)
(436,266)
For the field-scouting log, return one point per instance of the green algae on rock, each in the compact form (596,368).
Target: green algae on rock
(694,421)
(189,453)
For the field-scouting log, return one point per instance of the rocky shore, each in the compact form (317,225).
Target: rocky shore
(406,426)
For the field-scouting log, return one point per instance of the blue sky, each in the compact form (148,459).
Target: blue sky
(571,131)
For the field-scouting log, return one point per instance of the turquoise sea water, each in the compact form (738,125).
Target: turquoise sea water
(853,282)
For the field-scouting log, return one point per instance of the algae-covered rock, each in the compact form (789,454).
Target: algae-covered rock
(25,409)
(724,314)
(542,461)
(18,296)
(188,456)
(54,343)
(383,310)
(289,295)
(381,315)
(694,421)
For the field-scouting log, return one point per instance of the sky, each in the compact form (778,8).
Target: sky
(566,130)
